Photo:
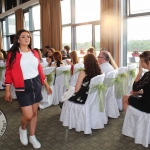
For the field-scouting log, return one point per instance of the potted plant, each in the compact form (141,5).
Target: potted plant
(135,53)
(82,51)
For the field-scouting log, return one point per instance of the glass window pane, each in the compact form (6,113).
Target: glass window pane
(83,37)
(26,20)
(97,37)
(36,17)
(87,10)
(65,11)
(66,36)
(11,24)
(4,27)
(138,36)
(139,6)
(5,43)
(36,39)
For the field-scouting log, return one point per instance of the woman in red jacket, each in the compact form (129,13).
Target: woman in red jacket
(23,69)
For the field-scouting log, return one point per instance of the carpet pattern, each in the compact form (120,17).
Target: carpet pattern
(53,136)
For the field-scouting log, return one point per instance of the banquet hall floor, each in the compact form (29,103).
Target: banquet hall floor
(53,136)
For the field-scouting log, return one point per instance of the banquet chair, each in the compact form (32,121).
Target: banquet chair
(2,73)
(44,64)
(137,125)
(48,98)
(122,89)
(77,68)
(111,102)
(61,82)
(132,75)
(13,92)
(85,117)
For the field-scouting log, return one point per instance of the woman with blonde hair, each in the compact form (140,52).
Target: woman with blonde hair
(1,56)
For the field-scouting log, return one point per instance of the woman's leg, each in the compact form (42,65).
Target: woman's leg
(27,114)
(125,102)
(34,119)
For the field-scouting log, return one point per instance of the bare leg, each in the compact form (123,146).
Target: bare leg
(34,119)
(27,115)
(125,102)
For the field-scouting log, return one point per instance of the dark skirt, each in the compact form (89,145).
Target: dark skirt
(32,93)
(140,103)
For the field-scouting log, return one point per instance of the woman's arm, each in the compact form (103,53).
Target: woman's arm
(79,81)
(49,90)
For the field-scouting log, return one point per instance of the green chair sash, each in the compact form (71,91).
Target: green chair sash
(132,75)
(101,90)
(50,77)
(76,70)
(66,76)
(1,71)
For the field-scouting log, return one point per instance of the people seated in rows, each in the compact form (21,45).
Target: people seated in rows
(64,54)
(91,50)
(46,51)
(40,54)
(91,70)
(140,99)
(57,60)
(74,60)
(50,59)
(67,48)
(106,61)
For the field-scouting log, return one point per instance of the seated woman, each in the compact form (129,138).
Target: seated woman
(64,54)
(50,59)
(57,57)
(91,50)
(74,60)
(137,99)
(1,56)
(91,70)
(40,54)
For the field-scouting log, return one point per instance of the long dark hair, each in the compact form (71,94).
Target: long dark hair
(91,66)
(15,47)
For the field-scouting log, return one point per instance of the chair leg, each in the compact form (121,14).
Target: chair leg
(66,135)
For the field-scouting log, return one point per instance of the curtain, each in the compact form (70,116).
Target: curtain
(19,19)
(110,27)
(51,24)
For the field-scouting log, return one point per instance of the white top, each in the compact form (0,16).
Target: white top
(106,67)
(29,65)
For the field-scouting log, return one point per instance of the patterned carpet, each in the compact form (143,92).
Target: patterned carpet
(53,136)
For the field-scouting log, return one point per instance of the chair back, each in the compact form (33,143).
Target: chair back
(44,64)
(76,71)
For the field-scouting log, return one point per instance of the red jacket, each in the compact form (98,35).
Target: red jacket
(15,76)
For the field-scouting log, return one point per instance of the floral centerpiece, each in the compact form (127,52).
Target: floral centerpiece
(135,53)
(82,51)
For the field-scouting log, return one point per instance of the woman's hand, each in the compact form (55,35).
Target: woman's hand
(8,96)
(49,90)
(68,62)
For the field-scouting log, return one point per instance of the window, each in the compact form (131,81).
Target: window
(36,17)
(87,10)
(36,40)
(66,11)
(97,37)
(138,35)
(139,6)
(5,43)
(23,1)
(4,27)
(83,37)
(66,36)
(11,24)
(26,20)
(9,4)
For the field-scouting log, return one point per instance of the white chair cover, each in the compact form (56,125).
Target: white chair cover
(59,86)
(137,125)
(111,102)
(44,64)
(64,61)
(47,99)
(75,75)
(2,73)
(13,92)
(84,117)
(44,59)
(119,100)
(130,80)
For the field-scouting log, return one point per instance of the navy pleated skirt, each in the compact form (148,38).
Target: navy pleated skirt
(32,93)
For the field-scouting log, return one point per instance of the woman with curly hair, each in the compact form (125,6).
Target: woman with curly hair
(91,70)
